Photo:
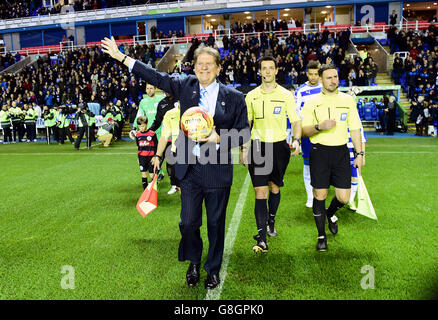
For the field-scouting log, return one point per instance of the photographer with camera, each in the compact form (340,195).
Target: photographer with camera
(91,126)
(64,125)
(50,123)
(119,120)
(105,132)
(83,120)
(108,112)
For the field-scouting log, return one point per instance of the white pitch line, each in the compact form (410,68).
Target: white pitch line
(93,145)
(215,294)
(131,153)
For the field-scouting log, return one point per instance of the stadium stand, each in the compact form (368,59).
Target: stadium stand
(17,9)
(415,60)
(76,77)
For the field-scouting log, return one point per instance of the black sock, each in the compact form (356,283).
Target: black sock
(144,182)
(335,205)
(319,214)
(261,212)
(273,202)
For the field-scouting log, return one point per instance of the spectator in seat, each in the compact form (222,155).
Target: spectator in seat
(393,18)
(397,69)
(361,79)
(414,53)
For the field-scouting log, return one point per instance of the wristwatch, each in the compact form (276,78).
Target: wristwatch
(358,153)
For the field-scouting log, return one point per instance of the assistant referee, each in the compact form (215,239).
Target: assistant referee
(326,119)
(269,153)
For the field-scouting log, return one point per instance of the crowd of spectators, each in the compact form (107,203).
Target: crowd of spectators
(240,53)
(417,72)
(158,34)
(8,60)
(293,52)
(84,75)
(266,26)
(77,77)
(11,9)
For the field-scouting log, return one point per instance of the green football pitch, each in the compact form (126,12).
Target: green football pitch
(69,229)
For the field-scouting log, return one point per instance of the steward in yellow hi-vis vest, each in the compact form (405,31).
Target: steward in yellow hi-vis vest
(326,120)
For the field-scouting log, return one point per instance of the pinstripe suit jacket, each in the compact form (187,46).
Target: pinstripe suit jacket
(230,113)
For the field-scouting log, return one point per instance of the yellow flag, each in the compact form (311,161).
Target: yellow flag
(364,205)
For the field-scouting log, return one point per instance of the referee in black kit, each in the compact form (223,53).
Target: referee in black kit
(326,120)
(269,154)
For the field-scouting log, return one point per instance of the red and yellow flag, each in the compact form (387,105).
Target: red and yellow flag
(148,199)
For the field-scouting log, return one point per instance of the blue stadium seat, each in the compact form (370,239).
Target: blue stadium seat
(342,83)
(253,84)
(374,113)
(360,110)
(368,116)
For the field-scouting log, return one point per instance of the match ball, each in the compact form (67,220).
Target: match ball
(196,123)
(132,134)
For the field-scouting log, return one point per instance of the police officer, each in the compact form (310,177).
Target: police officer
(5,120)
(30,116)
(326,120)
(17,116)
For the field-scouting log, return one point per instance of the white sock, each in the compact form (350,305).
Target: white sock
(353,191)
(306,176)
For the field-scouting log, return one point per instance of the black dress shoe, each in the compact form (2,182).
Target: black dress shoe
(192,275)
(212,281)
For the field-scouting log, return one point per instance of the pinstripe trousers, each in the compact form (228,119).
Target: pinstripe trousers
(193,194)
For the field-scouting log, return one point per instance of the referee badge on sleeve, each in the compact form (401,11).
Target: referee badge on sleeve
(343,116)
(277,110)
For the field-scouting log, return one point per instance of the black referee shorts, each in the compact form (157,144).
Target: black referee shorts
(275,159)
(145,164)
(330,165)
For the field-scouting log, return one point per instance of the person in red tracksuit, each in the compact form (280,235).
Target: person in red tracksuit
(147,147)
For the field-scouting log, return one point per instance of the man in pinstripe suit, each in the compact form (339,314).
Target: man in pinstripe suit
(204,168)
